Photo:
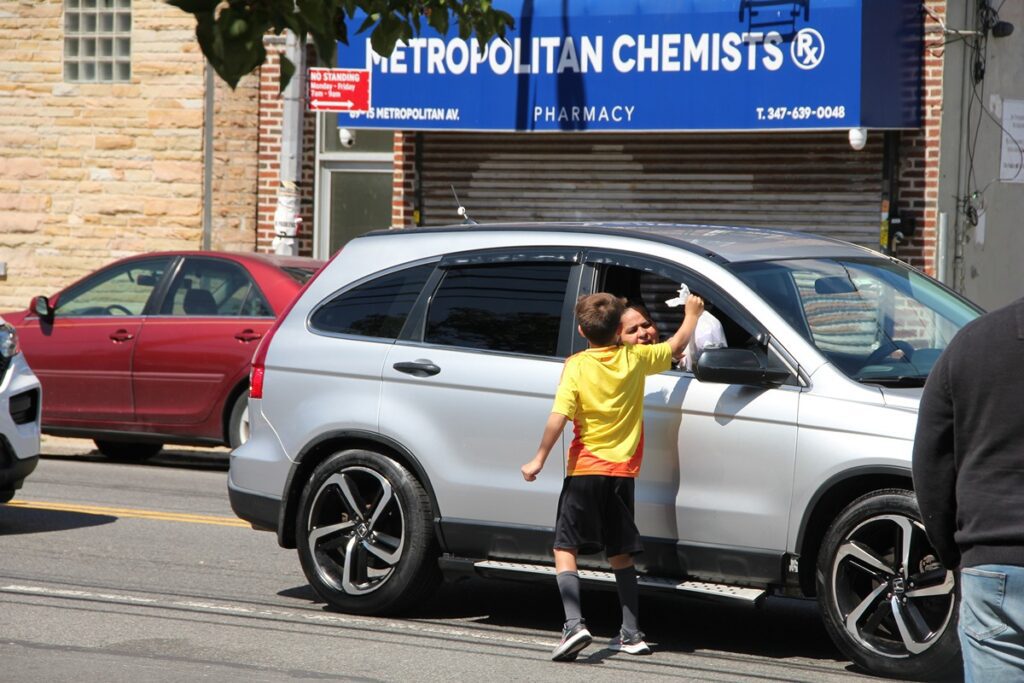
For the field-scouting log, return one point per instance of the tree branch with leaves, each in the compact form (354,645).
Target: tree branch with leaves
(230,32)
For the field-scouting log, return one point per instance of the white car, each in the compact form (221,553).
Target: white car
(20,400)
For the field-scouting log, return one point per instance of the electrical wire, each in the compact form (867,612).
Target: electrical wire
(973,203)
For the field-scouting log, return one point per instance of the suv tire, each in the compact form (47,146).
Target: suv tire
(364,534)
(886,600)
(238,421)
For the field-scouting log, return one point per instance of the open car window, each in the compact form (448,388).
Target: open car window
(652,284)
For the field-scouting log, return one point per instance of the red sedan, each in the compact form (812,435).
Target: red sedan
(155,349)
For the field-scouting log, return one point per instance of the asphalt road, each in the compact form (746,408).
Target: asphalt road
(112,572)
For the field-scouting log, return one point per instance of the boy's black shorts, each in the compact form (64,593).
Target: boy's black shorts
(595,512)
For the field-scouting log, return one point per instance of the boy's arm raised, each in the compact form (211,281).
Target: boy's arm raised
(552,430)
(678,341)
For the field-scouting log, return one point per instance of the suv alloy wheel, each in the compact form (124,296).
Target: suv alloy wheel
(365,537)
(887,601)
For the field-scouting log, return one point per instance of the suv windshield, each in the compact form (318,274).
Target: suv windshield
(877,320)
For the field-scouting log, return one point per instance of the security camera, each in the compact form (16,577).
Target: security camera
(346,137)
(858,138)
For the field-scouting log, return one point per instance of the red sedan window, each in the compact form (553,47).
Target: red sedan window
(211,287)
(122,289)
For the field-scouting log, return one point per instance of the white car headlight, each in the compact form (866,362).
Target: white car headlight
(8,341)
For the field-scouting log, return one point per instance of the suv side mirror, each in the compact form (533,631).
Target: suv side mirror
(736,366)
(40,305)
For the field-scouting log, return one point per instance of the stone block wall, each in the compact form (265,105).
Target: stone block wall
(91,172)
(235,164)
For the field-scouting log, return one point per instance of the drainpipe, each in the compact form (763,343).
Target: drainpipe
(208,157)
(942,248)
(286,215)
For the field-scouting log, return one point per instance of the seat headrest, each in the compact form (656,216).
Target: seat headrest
(199,302)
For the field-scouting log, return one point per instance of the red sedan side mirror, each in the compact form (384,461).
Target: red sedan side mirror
(40,305)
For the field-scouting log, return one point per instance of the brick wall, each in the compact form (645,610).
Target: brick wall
(403,202)
(919,159)
(91,172)
(271,110)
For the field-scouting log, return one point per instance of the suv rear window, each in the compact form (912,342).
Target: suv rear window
(377,308)
(512,307)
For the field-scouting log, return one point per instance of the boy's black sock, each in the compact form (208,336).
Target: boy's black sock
(569,588)
(629,597)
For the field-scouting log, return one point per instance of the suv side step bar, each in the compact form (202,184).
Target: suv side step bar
(701,588)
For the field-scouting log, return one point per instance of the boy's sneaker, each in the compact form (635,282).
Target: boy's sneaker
(574,639)
(630,643)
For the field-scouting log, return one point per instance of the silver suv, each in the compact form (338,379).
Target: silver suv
(392,407)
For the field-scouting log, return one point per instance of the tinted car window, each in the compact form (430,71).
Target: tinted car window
(876,320)
(513,307)
(208,287)
(119,290)
(377,308)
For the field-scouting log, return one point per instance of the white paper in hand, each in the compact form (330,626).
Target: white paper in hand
(680,300)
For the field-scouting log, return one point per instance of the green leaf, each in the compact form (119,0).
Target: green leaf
(239,27)
(388,32)
(287,71)
(230,32)
(439,21)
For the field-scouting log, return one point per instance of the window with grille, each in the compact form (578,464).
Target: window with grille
(97,41)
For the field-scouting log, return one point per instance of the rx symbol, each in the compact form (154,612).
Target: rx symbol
(807,48)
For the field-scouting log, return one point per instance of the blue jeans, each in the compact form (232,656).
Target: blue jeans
(992,623)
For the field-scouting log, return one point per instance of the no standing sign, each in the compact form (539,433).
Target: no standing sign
(345,90)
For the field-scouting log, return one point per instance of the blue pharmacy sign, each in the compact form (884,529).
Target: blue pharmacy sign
(657,65)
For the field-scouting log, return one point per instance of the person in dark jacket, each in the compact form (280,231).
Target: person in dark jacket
(968,467)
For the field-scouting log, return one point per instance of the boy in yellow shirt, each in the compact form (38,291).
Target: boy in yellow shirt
(602,392)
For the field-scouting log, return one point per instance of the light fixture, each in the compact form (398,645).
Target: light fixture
(347,137)
(990,23)
(858,138)
(1001,29)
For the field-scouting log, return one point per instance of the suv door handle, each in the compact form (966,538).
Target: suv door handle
(247,336)
(121,335)
(418,368)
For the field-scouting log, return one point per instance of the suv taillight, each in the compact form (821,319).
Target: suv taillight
(257,370)
(259,358)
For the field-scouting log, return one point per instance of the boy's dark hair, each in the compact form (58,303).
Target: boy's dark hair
(599,315)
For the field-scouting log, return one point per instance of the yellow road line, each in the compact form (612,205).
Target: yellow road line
(131,512)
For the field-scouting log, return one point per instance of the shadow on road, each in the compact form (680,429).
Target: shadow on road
(779,628)
(16,520)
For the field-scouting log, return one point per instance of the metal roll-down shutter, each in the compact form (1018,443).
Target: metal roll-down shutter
(804,181)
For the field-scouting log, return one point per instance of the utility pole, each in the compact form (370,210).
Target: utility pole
(286,215)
